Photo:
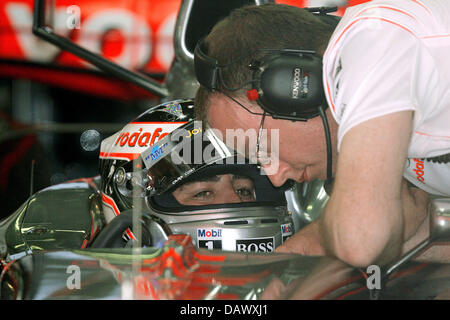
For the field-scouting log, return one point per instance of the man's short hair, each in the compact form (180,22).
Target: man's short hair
(238,37)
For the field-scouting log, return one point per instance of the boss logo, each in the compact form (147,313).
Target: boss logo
(255,245)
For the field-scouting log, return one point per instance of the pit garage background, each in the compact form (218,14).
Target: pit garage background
(52,103)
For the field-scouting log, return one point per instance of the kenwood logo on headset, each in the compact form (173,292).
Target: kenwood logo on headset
(296,83)
(299,80)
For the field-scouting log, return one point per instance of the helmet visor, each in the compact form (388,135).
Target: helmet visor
(183,152)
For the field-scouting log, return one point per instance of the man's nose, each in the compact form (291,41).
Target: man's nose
(228,195)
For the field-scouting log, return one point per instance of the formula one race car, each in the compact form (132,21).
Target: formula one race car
(146,228)
(137,231)
(176,270)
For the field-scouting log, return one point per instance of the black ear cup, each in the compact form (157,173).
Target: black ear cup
(289,84)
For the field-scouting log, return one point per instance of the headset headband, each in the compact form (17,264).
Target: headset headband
(207,69)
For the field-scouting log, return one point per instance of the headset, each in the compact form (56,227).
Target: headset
(286,83)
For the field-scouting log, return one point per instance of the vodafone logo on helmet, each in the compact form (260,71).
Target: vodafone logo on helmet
(139,138)
(135,138)
(296,83)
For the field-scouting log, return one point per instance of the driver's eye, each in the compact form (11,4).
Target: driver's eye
(203,194)
(245,193)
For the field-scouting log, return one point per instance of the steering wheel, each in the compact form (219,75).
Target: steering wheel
(154,230)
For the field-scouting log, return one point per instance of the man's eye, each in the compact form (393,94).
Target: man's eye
(203,194)
(245,193)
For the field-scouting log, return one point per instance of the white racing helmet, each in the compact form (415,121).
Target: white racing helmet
(184,155)
(120,151)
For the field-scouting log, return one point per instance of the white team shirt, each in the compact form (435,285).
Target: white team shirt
(387,56)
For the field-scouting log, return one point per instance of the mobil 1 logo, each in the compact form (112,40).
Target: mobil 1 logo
(209,238)
(287,230)
(255,245)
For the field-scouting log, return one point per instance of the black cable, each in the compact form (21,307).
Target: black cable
(329,149)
